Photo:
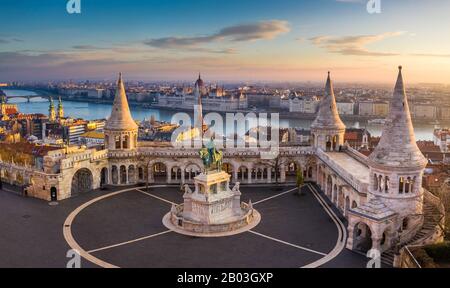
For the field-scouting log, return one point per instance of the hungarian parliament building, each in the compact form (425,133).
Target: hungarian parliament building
(380,195)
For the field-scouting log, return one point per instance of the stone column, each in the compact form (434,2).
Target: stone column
(183,176)
(282,173)
(269,175)
(376,243)
(169,174)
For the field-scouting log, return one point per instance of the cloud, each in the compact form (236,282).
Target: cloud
(264,30)
(86,47)
(431,55)
(353,45)
(3,41)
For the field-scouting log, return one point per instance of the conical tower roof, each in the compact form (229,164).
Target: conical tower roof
(120,118)
(328,116)
(397,146)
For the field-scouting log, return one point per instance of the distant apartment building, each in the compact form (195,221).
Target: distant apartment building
(444,112)
(381,108)
(427,111)
(73,131)
(346,108)
(305,104)
(365,108)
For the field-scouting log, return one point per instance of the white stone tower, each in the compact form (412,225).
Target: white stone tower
(328,129)
(120,129)
(396,164)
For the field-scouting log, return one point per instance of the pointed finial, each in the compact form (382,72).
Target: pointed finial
(329,73)
(120,76)
(400,67)
(199,76)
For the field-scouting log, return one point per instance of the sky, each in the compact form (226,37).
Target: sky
(233,40)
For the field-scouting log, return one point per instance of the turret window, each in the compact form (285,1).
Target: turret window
(408,185)
(380,185)
(117,140)
(401,185)
(386,184)
(375,182)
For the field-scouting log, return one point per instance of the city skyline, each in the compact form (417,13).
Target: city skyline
(232,41)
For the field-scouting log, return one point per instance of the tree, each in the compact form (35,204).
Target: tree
(300,181)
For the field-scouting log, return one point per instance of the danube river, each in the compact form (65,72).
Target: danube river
(91,111)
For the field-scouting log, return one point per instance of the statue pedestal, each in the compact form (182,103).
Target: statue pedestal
(212,209)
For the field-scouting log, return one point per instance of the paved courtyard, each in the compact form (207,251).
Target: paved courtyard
(124,229)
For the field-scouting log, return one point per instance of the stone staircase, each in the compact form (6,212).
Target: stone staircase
(432,217)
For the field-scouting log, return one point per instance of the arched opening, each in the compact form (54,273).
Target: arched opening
(346,206)
(375,182)
(82,182)
(125,141)
(115,175)
(191,172)
(175,174)
(329,186)
(291,172)
(380,183)
(53,194)
(117,141)
(103,177)
(310,172)
(386,184)
(123,174)
(141,174)
(408,185)
(159,171)
(335,143)
(335,192)
(242,173)
(131,174)
(354,204)
(405,224)
(328,143)
(401,184)
(362,237)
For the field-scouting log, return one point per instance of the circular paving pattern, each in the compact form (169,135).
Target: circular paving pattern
(124,229)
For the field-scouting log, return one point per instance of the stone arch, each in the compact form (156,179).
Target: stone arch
(346,206)
(103,176)
(362,237)
(123,174)
(354,204)
(114,175)
(158,172)
(191,171)
(243,173)
(175,174)
(82,181)
(329,186)
(334,195)
(131,174)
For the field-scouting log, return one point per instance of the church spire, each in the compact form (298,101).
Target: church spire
(328,116)
(397,146)
(60,108)
(120,118)
(51,110)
